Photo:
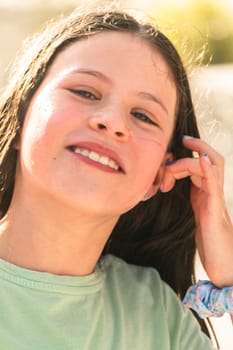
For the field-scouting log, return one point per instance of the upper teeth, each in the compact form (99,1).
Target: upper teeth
(97,158)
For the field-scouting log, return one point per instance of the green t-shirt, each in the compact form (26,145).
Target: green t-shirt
(118,307)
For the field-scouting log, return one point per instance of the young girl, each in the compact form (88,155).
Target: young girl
(91,148)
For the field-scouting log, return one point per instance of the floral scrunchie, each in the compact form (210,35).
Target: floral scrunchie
(208,300)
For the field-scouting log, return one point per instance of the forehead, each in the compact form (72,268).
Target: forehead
(115,50)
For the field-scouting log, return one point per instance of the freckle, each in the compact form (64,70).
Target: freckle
(54,158)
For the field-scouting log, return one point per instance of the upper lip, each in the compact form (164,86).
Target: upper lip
(101,150)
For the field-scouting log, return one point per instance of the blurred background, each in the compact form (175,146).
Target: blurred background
(202,30)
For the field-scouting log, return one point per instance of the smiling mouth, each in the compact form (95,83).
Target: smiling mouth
(96,157)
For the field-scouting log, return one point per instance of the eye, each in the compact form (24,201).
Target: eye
(144,118)
(85,94)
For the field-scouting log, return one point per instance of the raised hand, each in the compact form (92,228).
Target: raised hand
(214,234)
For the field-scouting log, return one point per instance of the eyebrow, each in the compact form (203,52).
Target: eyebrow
(151,97)
(93,73)
(145,95)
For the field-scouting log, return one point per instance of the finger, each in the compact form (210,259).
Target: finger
(212,183)
(168,182)
(185,167)
(180,169)
(197,181)
(202,172)
(202,147)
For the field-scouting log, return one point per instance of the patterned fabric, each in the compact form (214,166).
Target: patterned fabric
(208,300)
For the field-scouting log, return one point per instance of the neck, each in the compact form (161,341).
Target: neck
(65,242)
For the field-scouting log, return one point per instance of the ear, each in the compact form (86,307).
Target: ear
(158,178)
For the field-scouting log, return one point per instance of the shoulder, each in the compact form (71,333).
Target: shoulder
(136,280)
(140,294)
(111,264)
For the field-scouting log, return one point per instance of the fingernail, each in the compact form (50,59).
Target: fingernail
(170,162)
(206,157)
(186,137)
(195,154)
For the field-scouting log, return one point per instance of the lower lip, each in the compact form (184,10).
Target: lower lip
(95,164)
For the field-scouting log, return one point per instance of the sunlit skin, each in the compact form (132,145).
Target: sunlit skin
(114,95)
(94,83)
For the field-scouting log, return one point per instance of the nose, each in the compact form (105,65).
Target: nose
(111,126)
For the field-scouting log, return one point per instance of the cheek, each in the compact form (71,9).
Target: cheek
(152,148)
(39,134)
(148,158)
(153,138)
(43,121)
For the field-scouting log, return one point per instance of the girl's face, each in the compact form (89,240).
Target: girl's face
(96,131)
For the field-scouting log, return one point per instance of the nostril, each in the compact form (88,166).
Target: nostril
(101,126)
(104,126)
(119,133)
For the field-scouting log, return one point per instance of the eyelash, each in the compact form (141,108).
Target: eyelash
(144,118)
(85,94)
(90,96)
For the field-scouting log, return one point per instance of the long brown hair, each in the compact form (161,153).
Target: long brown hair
(157,233)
